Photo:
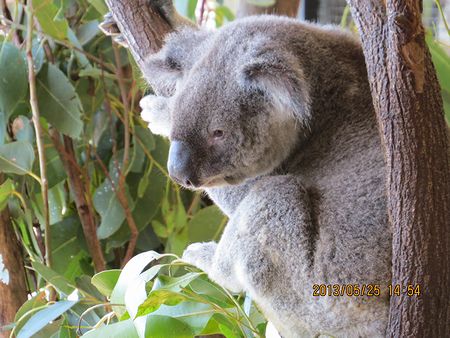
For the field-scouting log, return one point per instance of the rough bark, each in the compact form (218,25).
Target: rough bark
(409,109)
(141,25)
(281,7)
(13,289)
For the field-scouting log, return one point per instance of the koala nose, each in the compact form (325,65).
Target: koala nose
(180,164)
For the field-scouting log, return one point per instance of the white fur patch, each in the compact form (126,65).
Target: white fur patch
(271,331)
(155,112)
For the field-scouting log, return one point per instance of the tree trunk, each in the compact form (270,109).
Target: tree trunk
(13,289)
(281,7)
(141,25)
(409,109)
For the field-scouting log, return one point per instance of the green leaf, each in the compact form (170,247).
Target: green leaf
(38,54)
(39,320)
(129,273)
(210,291)
(52,277)
(175,283)
(163,327)
(58,101)
(145,137)
(148,205)
(194,314)
(441,62)
(55,169)
(99,5)
(86,32)
(106,280)
(16,158)
(143,184)
(124,329)
(262,3)
(82,59)
(222,13)
(206,225)
(6,189)
(79,314)
(56,204)
(3,131)
(27,309)
(108,206)
(13,78)
(47,14)
(66,239)
(92,96)
(192,5)
(157,298)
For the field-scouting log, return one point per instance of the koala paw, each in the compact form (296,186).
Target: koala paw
(200,255)
(156,113)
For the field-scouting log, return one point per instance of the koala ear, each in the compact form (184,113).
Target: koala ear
(164,69)
(282,80)
(162,74)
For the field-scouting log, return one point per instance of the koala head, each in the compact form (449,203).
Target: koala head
(237,111)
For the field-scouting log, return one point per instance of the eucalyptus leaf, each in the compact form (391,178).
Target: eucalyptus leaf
(159,297)
(194,314)
(262,3)
(163,327)
(124,329)
(99,5)
(108,206)
(131,271)
(54,278)
(65,243)
(16,158)
(47,14)
(174,283)
(39,320)
(3,131)
(105,281)
(86,32)
(13,78)
(58,101)
(6,189)
(207,224)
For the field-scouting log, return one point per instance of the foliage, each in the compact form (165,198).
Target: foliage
(86,124)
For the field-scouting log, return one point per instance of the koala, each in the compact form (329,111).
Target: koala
(274,120)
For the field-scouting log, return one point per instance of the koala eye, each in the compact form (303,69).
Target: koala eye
(217,134)
(173,64)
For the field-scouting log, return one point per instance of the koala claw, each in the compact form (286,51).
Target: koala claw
(200,255)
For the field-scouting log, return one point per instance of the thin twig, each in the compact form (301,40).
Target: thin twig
(121,192)
(63,43)
(38,131)
(81,197)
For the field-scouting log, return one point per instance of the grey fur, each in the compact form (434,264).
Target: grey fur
(299,171)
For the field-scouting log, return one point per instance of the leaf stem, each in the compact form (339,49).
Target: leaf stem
(38,131)
(134,232)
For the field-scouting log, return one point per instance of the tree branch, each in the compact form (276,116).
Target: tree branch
(84,207)
(38,131)
(408,104)
(133,19)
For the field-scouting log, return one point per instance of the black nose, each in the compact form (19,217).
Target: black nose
(180,164)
